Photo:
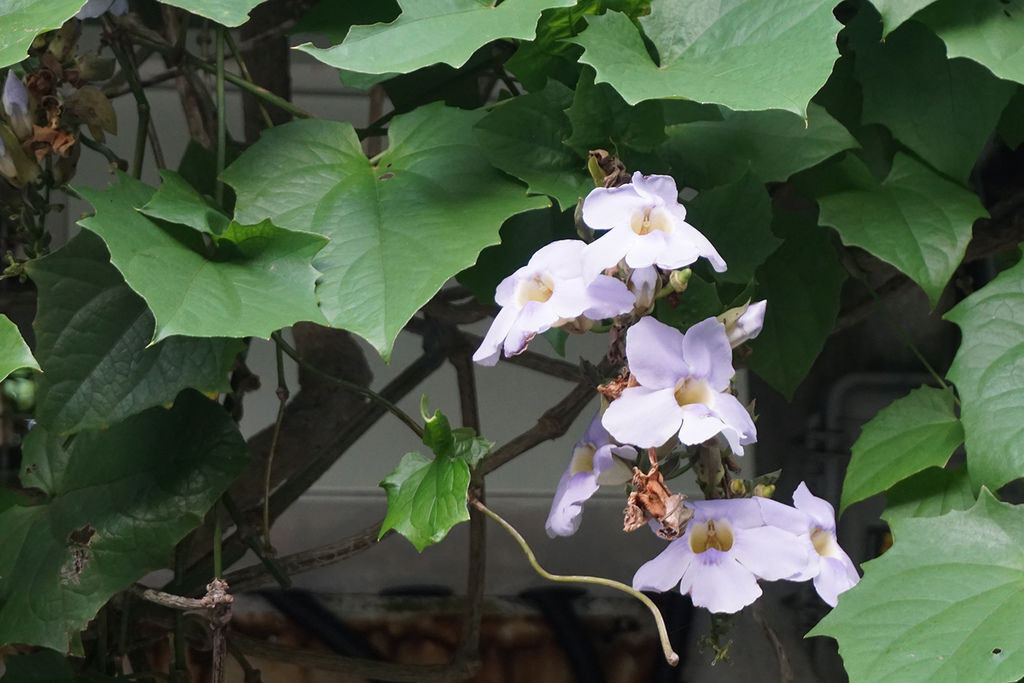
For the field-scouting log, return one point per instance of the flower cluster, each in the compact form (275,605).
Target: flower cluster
(674,398)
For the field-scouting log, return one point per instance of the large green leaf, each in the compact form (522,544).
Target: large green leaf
(915,219)
(426,498)
(987,31)
(943,110)
(986,371)
(728,53)
(912,433)
(255,279)
(93,337)
(432,31)
(14,352)
(117,501)
(523,137)
(399,228)
(176,201)
(943,604)
(801,282)
(929,493)
(770,145)
(895,12)
(737,218)
(22,20)
(227,12)
(601,119)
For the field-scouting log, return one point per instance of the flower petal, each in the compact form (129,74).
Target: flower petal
(606,251)
(706,351)
(567,507)
(699,424)
(612,464)
(658,187)
(490,347)
(596,435)
(835,577)
(607,208)
(718,583)
(647,250)
(665,570)
(733,413)
(784,517)
(655,354)
(563,259)
(643,417)
(742,513)
(819,509)
(773,554)
(607,297)
(684,232)
(533,319)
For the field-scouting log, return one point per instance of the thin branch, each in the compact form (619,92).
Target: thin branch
(666,646)
(257,575)
(282,398)
(122,90)
(114,160)
(222,125)
(353,666)
(551,425)
(271,564)
(247,76)
(349,386)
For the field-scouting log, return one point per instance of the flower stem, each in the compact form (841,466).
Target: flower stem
(670,656)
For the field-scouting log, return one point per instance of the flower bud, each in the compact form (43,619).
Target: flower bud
(679,280)
(7,168)
(743,323)
(16,105)
(764,490)
(737,487)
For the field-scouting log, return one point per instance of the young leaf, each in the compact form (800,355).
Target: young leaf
(801,280)
(987,32)
(93,337)
(523,137)
(469,446)
(912,433)
(426,498)
(23,21)
(769,145)
(727,54)
(118,500)
(432,31)
(175,201)
(432,192)
(986,371)
(929,493)
(14,352)
(257,280)
(943,110)
(942,604)
(914,219)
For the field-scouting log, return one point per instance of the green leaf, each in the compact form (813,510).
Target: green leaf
(521,236)
(986,371)
(14,352)
(432,192)
(426,498)
(915,219)
(895,12)
(1011,123)
(549,55)
(699,301)
(769,145)
(227,12)
(469,446)
(728,53)
(93,336)
(930,493)
(943,110)
(801,281)
(943,604)
(178,202)
(601,119)
(118,500)
(912,433)
(432,31)
(737,218)
(45,666)
(987,31)
(333,19)
(23,20)
(437,433)
(257,280)
(523,137)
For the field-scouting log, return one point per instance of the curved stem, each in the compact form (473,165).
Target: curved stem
(670,656)
(349,386)
(282,397)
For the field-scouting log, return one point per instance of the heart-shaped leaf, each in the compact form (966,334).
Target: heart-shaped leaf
(14,352)
(987,31)
(23,20)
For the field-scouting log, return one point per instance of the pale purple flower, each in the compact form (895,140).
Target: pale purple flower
(646,226)
(547,292)
(16,105)
(831,568)
(95,8)
(684,383)
(595,462)
(643,282)
(743,323)
(725,549)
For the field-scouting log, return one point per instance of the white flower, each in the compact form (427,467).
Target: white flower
(595,462)
(684,382)
(725,549)
(547,292)
(743,323)
(646,226)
